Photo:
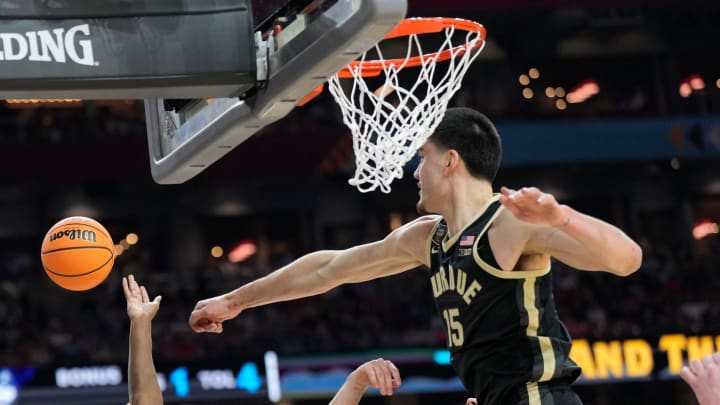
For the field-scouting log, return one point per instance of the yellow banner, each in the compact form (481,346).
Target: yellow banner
(633,358)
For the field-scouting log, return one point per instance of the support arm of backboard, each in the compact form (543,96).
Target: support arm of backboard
(324,46)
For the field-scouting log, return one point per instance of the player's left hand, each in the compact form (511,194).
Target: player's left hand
(139,306)
(531,205)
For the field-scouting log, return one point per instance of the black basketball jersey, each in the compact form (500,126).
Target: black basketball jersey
(504,333)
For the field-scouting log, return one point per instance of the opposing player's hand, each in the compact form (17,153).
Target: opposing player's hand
(139,306)
(471,401)
(531,205)
(209,315)
(704,379)
(379,373)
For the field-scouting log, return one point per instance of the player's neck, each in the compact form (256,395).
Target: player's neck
(467,200)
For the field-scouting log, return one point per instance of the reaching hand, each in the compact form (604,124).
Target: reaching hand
(139,306)
(209,315)
(379,373)
(532,205)
(471,401)
(704,379)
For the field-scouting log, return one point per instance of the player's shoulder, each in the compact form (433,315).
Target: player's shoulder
(417,227)
(417,230)
(424,224)
(412,237)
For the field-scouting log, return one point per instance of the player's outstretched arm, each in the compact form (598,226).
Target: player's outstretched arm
(142,381)
(318,272)
(579,240)
(381,374)
(704,379)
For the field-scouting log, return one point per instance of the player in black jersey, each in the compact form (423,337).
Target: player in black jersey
(489,260)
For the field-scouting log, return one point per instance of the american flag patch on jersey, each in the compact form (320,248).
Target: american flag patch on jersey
(467,240)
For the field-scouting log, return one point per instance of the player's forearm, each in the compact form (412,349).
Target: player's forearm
(301,278)
(142,380)
(611,246)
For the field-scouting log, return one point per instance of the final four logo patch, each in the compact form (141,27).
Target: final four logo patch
(440,233)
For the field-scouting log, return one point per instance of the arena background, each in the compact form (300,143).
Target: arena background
(642,153)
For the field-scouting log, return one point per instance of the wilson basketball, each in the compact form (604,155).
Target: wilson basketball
(77,253)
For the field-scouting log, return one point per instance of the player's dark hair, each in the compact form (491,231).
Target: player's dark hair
(475,139)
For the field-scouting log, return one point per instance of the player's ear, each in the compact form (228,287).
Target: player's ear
(452,159)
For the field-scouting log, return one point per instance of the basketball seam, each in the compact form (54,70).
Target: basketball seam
(83,274)
(89,226)
(75,247)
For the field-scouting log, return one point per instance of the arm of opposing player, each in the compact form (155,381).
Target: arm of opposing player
(318,272)
(587,243)
(142,380)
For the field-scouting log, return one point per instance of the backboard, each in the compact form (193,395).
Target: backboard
(298,46)
(253,64)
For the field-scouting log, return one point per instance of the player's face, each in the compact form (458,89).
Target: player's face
(429,175)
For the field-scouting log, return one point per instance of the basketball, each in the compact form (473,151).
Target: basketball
(77,253)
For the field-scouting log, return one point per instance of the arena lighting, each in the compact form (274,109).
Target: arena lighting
(560,104)
(528,93)
(272,374)
(717,83)
(685,89)
(696,82)
(216,252)
(524,80)
(559,91)
(43,100)
(550,92)
(705,228)
(534,73)
(583,91)
(242,251)
(132,238)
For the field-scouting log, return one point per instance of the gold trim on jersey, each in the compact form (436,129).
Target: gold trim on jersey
(533,314)
(428,246)
(500,273)
(533,394)
(448,243)
(548,356)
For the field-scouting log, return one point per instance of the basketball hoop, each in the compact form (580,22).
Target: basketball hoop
(386,134)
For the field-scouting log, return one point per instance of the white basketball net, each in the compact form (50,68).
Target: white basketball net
(387,135)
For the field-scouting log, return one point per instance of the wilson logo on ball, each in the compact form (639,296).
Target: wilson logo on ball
(73,234)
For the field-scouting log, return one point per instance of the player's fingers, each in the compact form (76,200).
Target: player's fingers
(197,323)
(134,289)
(144,294)
(157,299)
(545,199)
(688,376)
(126,287)
(716,358)
(471,401)
(372,377)
(698,366)
(708,361)
(213,327)
(379,373)
(386,376)
(506,191)
(394,373)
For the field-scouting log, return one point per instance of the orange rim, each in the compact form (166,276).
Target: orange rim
(410,26)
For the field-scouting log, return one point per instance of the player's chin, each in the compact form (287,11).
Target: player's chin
(421,209)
